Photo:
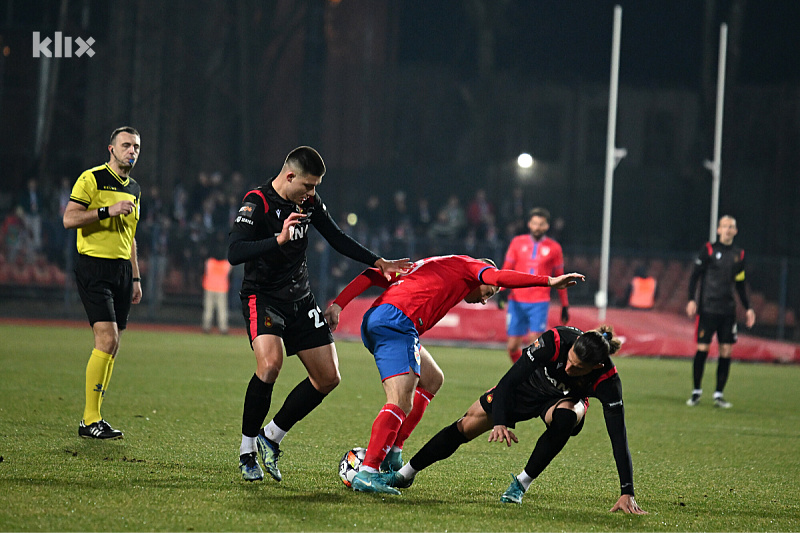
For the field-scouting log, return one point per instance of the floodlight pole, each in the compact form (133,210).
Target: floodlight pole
(613,157)
(715,166)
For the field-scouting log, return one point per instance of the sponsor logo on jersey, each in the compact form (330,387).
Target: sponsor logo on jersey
(560,386)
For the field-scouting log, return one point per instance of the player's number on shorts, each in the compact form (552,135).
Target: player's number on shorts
(316,314)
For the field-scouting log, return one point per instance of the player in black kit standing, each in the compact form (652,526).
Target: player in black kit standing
(720,268)
(270,236)
(553,380)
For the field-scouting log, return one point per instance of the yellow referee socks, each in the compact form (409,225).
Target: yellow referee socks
(98,372)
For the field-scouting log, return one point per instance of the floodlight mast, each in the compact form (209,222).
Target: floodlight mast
(715,166)
(613,157)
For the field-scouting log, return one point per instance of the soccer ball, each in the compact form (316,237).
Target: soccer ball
(350,463)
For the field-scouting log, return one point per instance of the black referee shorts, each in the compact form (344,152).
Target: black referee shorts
(300,324)
(106,289)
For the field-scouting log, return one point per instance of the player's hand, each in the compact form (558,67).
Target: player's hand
(565,315)
(750,318)
(502,434)
(286,233)
(390,269)
(331,315)
(137,292)
(566,280)
(124,207)
(691,309)
(627,505)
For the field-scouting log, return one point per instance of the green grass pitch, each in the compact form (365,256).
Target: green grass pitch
(178,398)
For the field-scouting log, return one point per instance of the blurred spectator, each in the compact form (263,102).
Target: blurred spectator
(450,221)
(14,234)
(400,219)
(375,223)
(642,290)
(216,284)
(180,199)
(32,204)
(515,216)
(423,216)
(480,214)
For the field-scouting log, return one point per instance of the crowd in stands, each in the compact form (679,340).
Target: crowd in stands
(175,238)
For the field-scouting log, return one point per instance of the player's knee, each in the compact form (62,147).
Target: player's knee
(432,381)
(564,421)
(328,382)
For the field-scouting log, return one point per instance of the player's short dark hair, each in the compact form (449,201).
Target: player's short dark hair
(306,161)
(594,346)
(488,261)
(539,212)
(123,129)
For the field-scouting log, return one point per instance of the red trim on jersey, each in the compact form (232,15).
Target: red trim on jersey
(604,377)
(710,249)
(696,324)
(251,303)
(261,194)
(741,256)
(558,344)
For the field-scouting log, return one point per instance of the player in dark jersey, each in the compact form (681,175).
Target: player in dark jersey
(391,328)
(270,236)
(719,268)
(552,380)
(104,206)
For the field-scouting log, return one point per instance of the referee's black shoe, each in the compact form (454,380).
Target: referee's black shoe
(98,430)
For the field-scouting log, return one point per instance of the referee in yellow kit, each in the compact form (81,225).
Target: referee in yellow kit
(104,207)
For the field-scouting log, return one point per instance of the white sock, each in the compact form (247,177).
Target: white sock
(407,471)
(273,432)
(697,391)
(525,480)
(396,449)
(248,445)
(717,395)
(365,468)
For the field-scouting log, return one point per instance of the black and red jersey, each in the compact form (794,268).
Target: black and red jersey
(281,272)
(538,376)
(720,269)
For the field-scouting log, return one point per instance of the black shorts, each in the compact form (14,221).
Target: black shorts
(106,289)
(526,410)
(300,324)
(723,325)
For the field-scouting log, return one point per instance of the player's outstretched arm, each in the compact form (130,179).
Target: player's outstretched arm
(627,505)
(391,268)
(566,280)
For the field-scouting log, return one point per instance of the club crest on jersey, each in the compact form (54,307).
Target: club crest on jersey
(278,213)
(719,256)
(247,210)
(545,250)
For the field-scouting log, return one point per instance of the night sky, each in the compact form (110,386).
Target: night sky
(570,41)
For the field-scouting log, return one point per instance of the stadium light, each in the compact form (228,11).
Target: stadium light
(525,160)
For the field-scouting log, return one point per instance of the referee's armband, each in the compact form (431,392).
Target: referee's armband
(102,213)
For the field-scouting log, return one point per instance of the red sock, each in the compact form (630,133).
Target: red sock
(516,354)
(384,432)
(421,400)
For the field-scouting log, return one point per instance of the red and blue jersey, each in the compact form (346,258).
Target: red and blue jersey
(543,258)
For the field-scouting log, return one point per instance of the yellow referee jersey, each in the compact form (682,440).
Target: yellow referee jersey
(112,237)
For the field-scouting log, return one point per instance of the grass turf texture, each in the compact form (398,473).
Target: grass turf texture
(178,398)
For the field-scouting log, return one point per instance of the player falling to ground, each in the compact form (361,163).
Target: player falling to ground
(534,253)
(104,206)
(391,328)
(553,380)
(270,236)
(719,268)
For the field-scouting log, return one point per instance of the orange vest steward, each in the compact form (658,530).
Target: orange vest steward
(215,278)
(643,293)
